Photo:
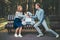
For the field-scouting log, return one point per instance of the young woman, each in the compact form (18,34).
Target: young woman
(18,22)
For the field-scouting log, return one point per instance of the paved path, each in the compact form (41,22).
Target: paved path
(26,36)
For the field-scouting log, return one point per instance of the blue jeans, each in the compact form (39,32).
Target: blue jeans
(45,26)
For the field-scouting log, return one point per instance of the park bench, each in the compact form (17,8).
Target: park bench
(54,22)
(51,21)
(9,25)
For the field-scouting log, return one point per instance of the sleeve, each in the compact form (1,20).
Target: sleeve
(15,15)
(35,15)
(22,15)
(41,16)
(23,18)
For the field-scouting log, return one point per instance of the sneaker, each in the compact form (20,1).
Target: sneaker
(39,35)
(16,35)
(57,36)
(20,35)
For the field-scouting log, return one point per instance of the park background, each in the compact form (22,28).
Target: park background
(51,8)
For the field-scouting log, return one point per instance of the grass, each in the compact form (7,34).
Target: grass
(3,22)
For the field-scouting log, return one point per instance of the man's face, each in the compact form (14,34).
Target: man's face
(36,6)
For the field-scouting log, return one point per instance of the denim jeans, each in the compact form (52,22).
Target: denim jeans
(45,26)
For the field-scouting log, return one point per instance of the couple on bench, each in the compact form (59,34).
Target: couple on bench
(21,20)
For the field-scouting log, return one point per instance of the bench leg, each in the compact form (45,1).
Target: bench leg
(9,31)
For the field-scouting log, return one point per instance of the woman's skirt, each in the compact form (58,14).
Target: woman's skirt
(17,23)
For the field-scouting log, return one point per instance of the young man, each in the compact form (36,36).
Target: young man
(40,15)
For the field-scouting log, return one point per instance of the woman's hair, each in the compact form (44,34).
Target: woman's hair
(38,4)
(19,8)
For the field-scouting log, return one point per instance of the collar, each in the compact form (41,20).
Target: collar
(39,9)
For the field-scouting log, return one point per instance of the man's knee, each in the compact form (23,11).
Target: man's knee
(35,26)
(32,23)
(48,30)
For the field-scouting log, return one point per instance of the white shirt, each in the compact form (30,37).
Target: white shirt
(18,14)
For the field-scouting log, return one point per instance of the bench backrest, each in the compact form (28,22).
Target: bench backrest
(10,17)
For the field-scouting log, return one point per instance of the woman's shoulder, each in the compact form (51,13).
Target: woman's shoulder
(17,12)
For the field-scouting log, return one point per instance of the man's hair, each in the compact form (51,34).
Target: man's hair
(38,4)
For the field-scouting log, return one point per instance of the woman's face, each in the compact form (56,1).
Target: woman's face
(19,8)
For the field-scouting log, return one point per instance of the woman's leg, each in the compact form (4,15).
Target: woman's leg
(20,29)
(16,31)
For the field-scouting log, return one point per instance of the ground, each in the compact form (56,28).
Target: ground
(27,36)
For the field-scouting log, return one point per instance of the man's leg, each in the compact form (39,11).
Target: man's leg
(37,28)
(32,22)
(49,30)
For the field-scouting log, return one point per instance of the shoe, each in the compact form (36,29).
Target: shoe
(15,35)
(57,36)
(39,35)
(20,35)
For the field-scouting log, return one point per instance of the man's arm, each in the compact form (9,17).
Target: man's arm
(41,16)
(34,15)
